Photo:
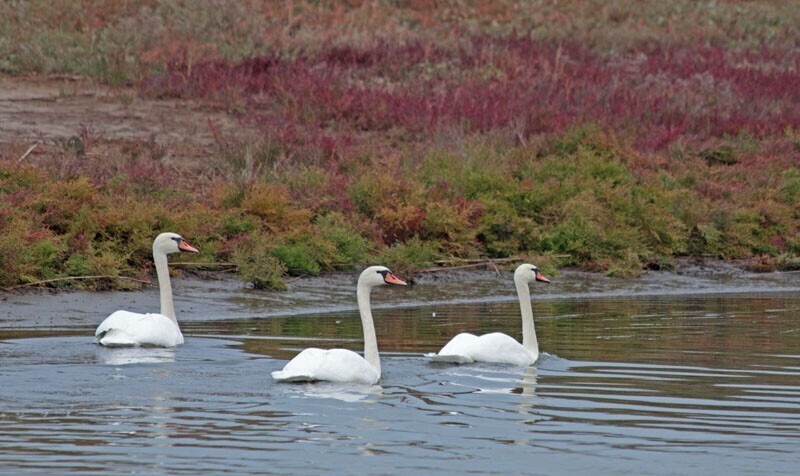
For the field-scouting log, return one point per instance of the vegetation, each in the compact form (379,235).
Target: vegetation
(606,135)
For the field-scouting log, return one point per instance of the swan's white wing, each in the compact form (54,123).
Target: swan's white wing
(124,329)
(302,368)
(335,365)
(495,347)
(457,350)
(502,349)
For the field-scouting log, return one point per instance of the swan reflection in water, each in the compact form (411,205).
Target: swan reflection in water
(346,393)
(135,355)
(527,385)
(501,379)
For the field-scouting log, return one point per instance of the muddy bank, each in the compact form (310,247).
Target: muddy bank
(228,298)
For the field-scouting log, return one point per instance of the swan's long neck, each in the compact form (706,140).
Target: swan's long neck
(370,341)
(164,285)
(528,331)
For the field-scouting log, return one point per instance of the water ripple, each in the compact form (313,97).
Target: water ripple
(656,385)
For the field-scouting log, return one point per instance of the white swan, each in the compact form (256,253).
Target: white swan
(124,328)
(341,365)
(498,347)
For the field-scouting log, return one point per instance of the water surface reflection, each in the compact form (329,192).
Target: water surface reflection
(693,383)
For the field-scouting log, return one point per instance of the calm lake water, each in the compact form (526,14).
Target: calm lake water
(666,374)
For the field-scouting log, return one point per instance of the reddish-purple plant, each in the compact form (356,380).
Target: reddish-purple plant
(654,94)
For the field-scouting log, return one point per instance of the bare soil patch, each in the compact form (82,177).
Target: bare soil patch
(50,111)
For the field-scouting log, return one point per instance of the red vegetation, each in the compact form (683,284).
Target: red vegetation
(655,95)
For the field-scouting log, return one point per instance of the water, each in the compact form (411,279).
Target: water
(667,374)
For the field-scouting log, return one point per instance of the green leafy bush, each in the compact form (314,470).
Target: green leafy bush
(405,257)
(256,264)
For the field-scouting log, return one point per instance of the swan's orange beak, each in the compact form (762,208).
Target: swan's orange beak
(390,278)
(541,278)
(184,246)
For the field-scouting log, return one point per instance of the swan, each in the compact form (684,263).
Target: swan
(341,365)
(498,347)
(125,328)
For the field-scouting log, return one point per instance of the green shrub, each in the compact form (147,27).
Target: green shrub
(351,246)
(790,186)
(304,251)
(46,257)
(408,256)
(370,191)
(256,264)
(298,258)
(234,223)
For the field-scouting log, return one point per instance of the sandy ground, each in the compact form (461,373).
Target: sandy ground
(49,111)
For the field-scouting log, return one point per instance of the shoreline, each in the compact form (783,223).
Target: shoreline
(689,266)
(199,300)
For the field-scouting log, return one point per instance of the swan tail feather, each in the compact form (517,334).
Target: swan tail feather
(115,338)
(282,376)
(450,358)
